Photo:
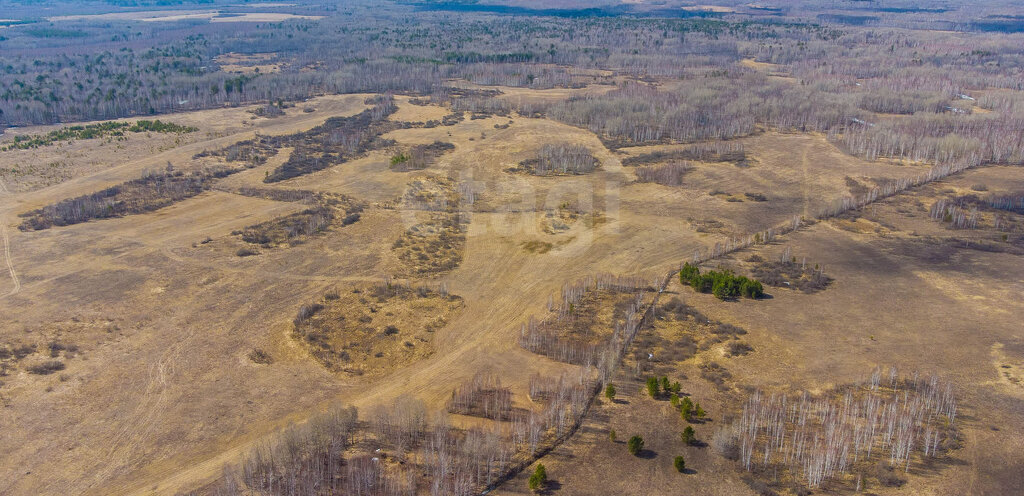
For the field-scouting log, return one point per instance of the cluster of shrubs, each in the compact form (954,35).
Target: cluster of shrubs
(91,131)
(420,156)
(688,409)
(657,388)
(717,152)
(326,211)
(790,273)
(670,174)
(724,284)
(337,140)
(151,192)
(561,159)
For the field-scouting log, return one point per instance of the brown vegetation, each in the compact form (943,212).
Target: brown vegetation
(372,330)
(151,192)
(483,396)
(845,432)
(593,319)
(434,245)
(670,174)
(787,272)
(420,156)
(560,159)
(325,210)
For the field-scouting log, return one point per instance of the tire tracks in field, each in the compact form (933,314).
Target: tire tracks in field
(7,257)
(125,442)
(4,192)
(806,165)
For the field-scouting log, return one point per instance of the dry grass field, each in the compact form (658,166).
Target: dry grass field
(180,350)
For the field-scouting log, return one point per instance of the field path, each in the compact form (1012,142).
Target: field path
(4,193)
(7,257)
(805,163)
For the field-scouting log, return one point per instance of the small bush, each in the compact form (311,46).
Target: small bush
(47,368)
(686,408)
(307,311)
(350,219)
(246,252)
(55,349)
(609,392)
(635,445)
(653,387)
(679,463)
(23,351)
(727,443)
(689,436)
(887,476)
(261,357)
(738,348)
(539,478)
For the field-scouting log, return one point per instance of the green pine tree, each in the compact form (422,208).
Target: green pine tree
(635,445)
(538,479)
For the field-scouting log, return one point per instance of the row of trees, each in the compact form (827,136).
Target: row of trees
(483,396)
(561,158)
(958,217)
(339,453)
(819,438)
(337,140)
(670,174)
(151,192)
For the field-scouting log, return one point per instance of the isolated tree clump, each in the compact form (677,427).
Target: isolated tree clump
(150,192)
(724,284)
(635,445)
(561,159)
(653,387)
(679,463)
(689,436)
(609,392)
(539,478)
(419,156)
(670,174)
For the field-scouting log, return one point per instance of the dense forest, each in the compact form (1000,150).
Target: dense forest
(838,73)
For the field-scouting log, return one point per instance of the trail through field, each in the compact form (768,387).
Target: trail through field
(806,165)
(4,192)
(7,257)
